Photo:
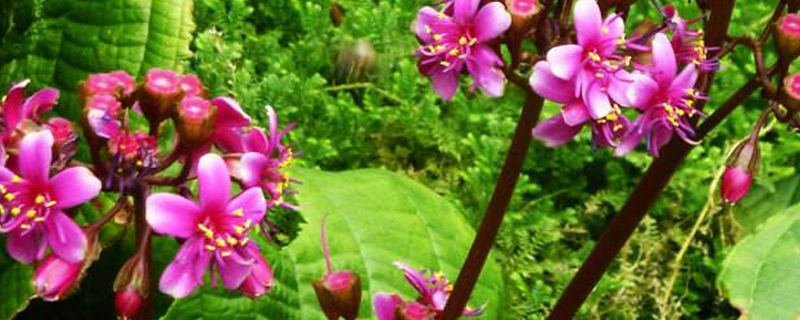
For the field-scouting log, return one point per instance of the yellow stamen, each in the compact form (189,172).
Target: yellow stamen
(247,223)
(612,117)
(25,226)
(211,248)
(453,52)
(244,241)
(39,199)
(31,213)
(38,219)
(604,30)
(2,210)
(239,229)
(220,242)
(9,196)
(594,56)
(16,211)
(445,63)
(238,212)
(437,37)
(50,204)
(3,188)
(225,253)
(473,41)
(428,29)
(442,16)
(462,41)
(16,179)
(232,241)
(139,163)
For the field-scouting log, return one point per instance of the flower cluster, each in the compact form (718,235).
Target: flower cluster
(39,181)
(434,290)
(458,37)
(603,73)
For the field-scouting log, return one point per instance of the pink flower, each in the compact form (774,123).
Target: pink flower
(215,230)
(452,42)
(665,97)
(15,108)
(591,63)
(260,280)
(31,209)
(54,277)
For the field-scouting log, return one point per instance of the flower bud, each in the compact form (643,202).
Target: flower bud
(161,92)
(54,277)
(790,95)
(741,167)
(522,14)
(195,121)
(127,304)
(413,311)
(191,85)
(131,286)
(125,83)
(787,36)
(339,294)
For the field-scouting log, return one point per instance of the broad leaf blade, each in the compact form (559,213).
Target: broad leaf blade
(760,274)
(16,289)
(375,217)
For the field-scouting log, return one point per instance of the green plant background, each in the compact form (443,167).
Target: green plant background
(284,53)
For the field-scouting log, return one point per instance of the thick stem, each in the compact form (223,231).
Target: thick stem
(487,233)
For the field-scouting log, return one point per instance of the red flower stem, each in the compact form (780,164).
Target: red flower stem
(111,213)
(325,244)
(143,235)
(487,233)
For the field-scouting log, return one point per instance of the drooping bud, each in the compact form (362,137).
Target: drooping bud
(790,95)
(339,292)
(260,280)
(131,287)
(195,123)
(161,93)
(787,36)
(741,167)
(127,304)
(54,278)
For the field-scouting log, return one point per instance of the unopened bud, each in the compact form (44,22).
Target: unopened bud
(127,304)
(125,83)
(54,277)
(161,92)
(790,95)
(339,294)
(787,36)
(195,121)
(522,14)
(741,167)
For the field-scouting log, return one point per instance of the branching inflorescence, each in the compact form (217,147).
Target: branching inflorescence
(40,179)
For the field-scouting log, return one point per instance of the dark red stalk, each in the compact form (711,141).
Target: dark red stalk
(487,233)
(143,235)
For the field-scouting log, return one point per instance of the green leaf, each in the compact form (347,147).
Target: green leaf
(72,38)
(375,217)
(16,289)
(761,202)
(760,274)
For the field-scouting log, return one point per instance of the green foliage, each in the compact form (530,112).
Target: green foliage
(17,288)
(68,39)
(760,275)
(375,217)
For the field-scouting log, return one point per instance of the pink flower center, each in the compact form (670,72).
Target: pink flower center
(164,82)
(451,45)
(21,207)
(195,108)
(525,7)
(191,85)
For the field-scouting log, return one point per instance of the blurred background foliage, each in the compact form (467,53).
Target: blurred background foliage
(288,54)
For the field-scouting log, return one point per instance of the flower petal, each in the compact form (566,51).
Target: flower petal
(229,114)
(684,81)
(252,202)
(663,60)
(554,132)
(25,247)
(385,306)
(565,60)
(628,142)
(233,270)
(597,101)
(612,30)
(641,91)
(41,101)
(550,87)
(575,114)
(227,139)
(445,84)
(172,214)
(65,237)
(492,20)
(465,10)
(256,141)
(426,17)
(252,167)
(74,186)
(617,87)
(12,107)
(491,80)
(214,183)
(181,278)
(35,155)
(587,22)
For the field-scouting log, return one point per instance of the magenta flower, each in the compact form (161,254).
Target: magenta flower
(31,209)
(563,127)
(117,83)
(665,98)
(434,290)
(15,108)
(215,230)
(260,280)
(591,63)
(451,42)
(686,42)
(229,124)
(264,162)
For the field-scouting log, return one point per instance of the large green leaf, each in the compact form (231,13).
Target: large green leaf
(760,275)
(375,218)
(16,289)
(72,38)
(762,202)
